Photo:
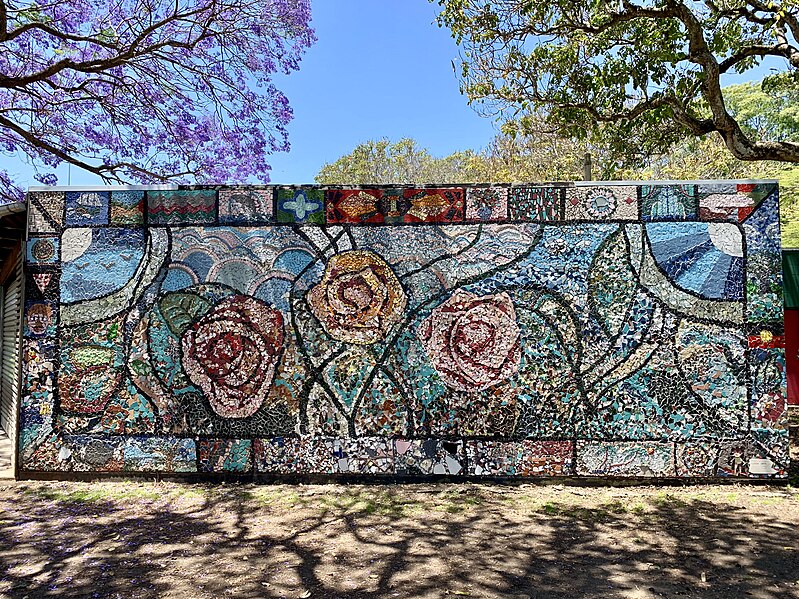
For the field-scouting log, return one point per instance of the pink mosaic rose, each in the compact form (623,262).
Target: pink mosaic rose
(473,341)
(358,299)
(232,353)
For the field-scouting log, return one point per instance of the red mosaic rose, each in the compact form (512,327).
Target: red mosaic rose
(473,341)
(359,298)
(232,353)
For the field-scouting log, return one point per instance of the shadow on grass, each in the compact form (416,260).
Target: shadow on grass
(86,541)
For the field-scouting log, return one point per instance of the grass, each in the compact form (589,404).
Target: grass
(589,515)
(270,497)
(570,503)
(95,493)
(379,502)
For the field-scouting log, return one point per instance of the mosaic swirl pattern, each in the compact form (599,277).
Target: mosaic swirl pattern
(588,330)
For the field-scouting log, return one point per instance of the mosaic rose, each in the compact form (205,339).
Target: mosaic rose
(359,298)
(232,353)
(473,341)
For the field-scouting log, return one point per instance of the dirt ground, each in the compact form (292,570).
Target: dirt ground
(146,539)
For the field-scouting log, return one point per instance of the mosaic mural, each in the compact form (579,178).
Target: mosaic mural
(589,330)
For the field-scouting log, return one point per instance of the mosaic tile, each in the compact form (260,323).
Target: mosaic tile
(294,455)
(769,387)
(91,366)
(608,458)
(757,191)
(769,457)
(486,204)
(46,211)
(725,202)
(303,205)
(127,412)
(393,331)
(40,318)
(434,205)
(244,206)
(618,202)
(87,208)
(42,283)
(159,454)
(764,262)
(703,258)
(364,456)
(98,262)
(36,401)
(668,202)
(520,458)
(535,203)
(365,206)
(224,455)
(394,206)
(89,453)
(181,207)
(127,207)
(697,459)
(42,250)
(429,457)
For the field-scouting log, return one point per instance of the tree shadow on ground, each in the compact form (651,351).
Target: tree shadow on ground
(364,542)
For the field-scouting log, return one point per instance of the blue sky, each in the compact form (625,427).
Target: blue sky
(380,68)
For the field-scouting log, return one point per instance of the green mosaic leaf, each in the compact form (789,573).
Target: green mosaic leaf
(181,309)
(611,283)
(88,356)
(140,367)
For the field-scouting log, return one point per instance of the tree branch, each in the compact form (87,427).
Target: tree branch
(123,56)
(730,130)
(106,171)
(781,50)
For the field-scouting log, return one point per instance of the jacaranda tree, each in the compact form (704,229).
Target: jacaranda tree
(640,75)
(147,90)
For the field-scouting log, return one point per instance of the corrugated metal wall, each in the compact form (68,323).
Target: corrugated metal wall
(10,349)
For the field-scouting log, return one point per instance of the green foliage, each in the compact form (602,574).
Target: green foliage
(181,309)
(635,77)
(380,162)
(509,157)
(764,111)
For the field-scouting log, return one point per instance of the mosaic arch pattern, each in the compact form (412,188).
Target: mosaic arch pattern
(606,330)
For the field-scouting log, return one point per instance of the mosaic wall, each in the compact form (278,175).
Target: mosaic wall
(469,331)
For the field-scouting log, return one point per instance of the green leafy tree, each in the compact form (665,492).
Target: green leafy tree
(637,77)
(759,114)
(380,162)
(537,153)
